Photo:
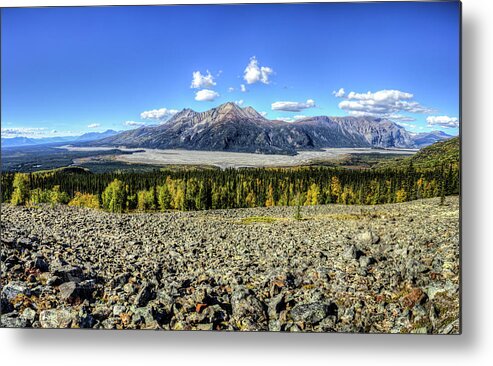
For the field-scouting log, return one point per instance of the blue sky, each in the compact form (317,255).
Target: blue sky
(73,70)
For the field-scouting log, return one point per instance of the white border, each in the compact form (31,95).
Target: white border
(473,347)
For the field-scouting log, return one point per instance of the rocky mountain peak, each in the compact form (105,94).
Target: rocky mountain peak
(232,110)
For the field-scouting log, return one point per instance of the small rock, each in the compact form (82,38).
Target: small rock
(350,252)
(129,288)
(71,291)
(142,315)
(29,314)
(69,273)
(208,326)
(120,280)
(145,294)
(248,311)
(40,263)
(368,237)
(55,318)
(119,309)
(14,288)
(46,278)
(313,313)
(12,320)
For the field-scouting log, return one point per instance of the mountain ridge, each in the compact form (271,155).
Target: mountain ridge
(21,141)
(229,127)
(424,139)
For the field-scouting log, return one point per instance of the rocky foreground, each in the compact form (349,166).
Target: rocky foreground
(387,268)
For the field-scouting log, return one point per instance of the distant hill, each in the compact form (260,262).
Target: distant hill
(26,141)
(442,152)
(89,136)
(232,128)
(427,138)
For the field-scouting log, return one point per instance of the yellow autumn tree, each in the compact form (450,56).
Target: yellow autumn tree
(400,195)
(84,200)
(335,188)
(312,195)
(270,197)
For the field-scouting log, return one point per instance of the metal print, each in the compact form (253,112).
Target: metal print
(269,167)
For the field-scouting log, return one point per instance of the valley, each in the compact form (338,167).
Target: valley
(224,159)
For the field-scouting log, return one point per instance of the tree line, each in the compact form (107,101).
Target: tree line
(121,191)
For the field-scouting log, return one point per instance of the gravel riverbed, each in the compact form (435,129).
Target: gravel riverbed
(386,268)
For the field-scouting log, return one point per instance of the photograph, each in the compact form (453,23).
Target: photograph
(289,167)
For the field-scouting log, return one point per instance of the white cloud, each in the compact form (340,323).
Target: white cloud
(407,125)
(243,88)
(291,119)
(23,131)
(133,123)
(162,114)
(202,81)
(35,132)
(263,114)
(239,102)
(231,89)
(400,117)
(443,121)
(93,125)
(206,95)
(254,73)
(340,93)
(383,103)
(293,106)
(392,116)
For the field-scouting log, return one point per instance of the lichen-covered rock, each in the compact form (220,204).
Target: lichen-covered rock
(14,288)
(13,320)
(56,318)
(248,312)
(313,313)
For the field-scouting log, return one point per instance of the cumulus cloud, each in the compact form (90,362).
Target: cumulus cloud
(383,103)
(93,125)
(254,73)
(291,119)
(339,93)
(133,123)
(231,89)
(292,106)
(239,102)
(202,81)
(243,88)
(206,95)
(162,114)
(443,121)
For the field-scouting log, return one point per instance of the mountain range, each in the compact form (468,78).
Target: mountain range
(229,127)
(428,138)
(27,141)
